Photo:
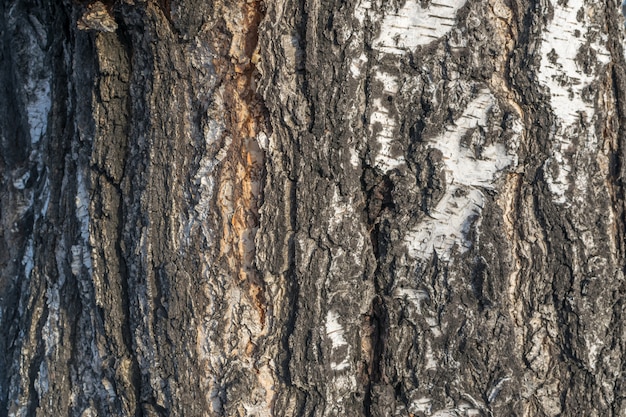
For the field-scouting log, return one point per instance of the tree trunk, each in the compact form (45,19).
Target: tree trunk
(307,208)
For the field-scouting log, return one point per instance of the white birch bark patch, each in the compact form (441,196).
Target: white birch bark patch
(335,333)
(413,25)
(467,173)
(384,126)
(573,52)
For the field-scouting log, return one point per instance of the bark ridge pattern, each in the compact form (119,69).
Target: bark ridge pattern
(307,208)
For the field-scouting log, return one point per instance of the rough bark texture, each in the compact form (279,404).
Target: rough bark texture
(312,208)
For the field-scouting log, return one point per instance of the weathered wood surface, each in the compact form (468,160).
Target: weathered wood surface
(309,208)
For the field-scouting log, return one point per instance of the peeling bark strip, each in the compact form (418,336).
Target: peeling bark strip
(240,180)
(362,208)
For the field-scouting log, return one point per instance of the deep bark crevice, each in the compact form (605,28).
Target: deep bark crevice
(290,208)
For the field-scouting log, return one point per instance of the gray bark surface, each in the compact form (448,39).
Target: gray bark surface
(311,208)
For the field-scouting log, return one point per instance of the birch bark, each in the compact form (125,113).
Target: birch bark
(289,208)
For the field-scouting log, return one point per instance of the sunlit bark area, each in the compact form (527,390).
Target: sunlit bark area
(312,208)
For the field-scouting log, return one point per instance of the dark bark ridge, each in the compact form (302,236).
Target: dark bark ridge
(370,208)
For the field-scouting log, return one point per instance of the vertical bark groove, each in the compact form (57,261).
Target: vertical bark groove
(368,208)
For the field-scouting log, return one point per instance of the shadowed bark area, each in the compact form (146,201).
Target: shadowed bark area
(359,208)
